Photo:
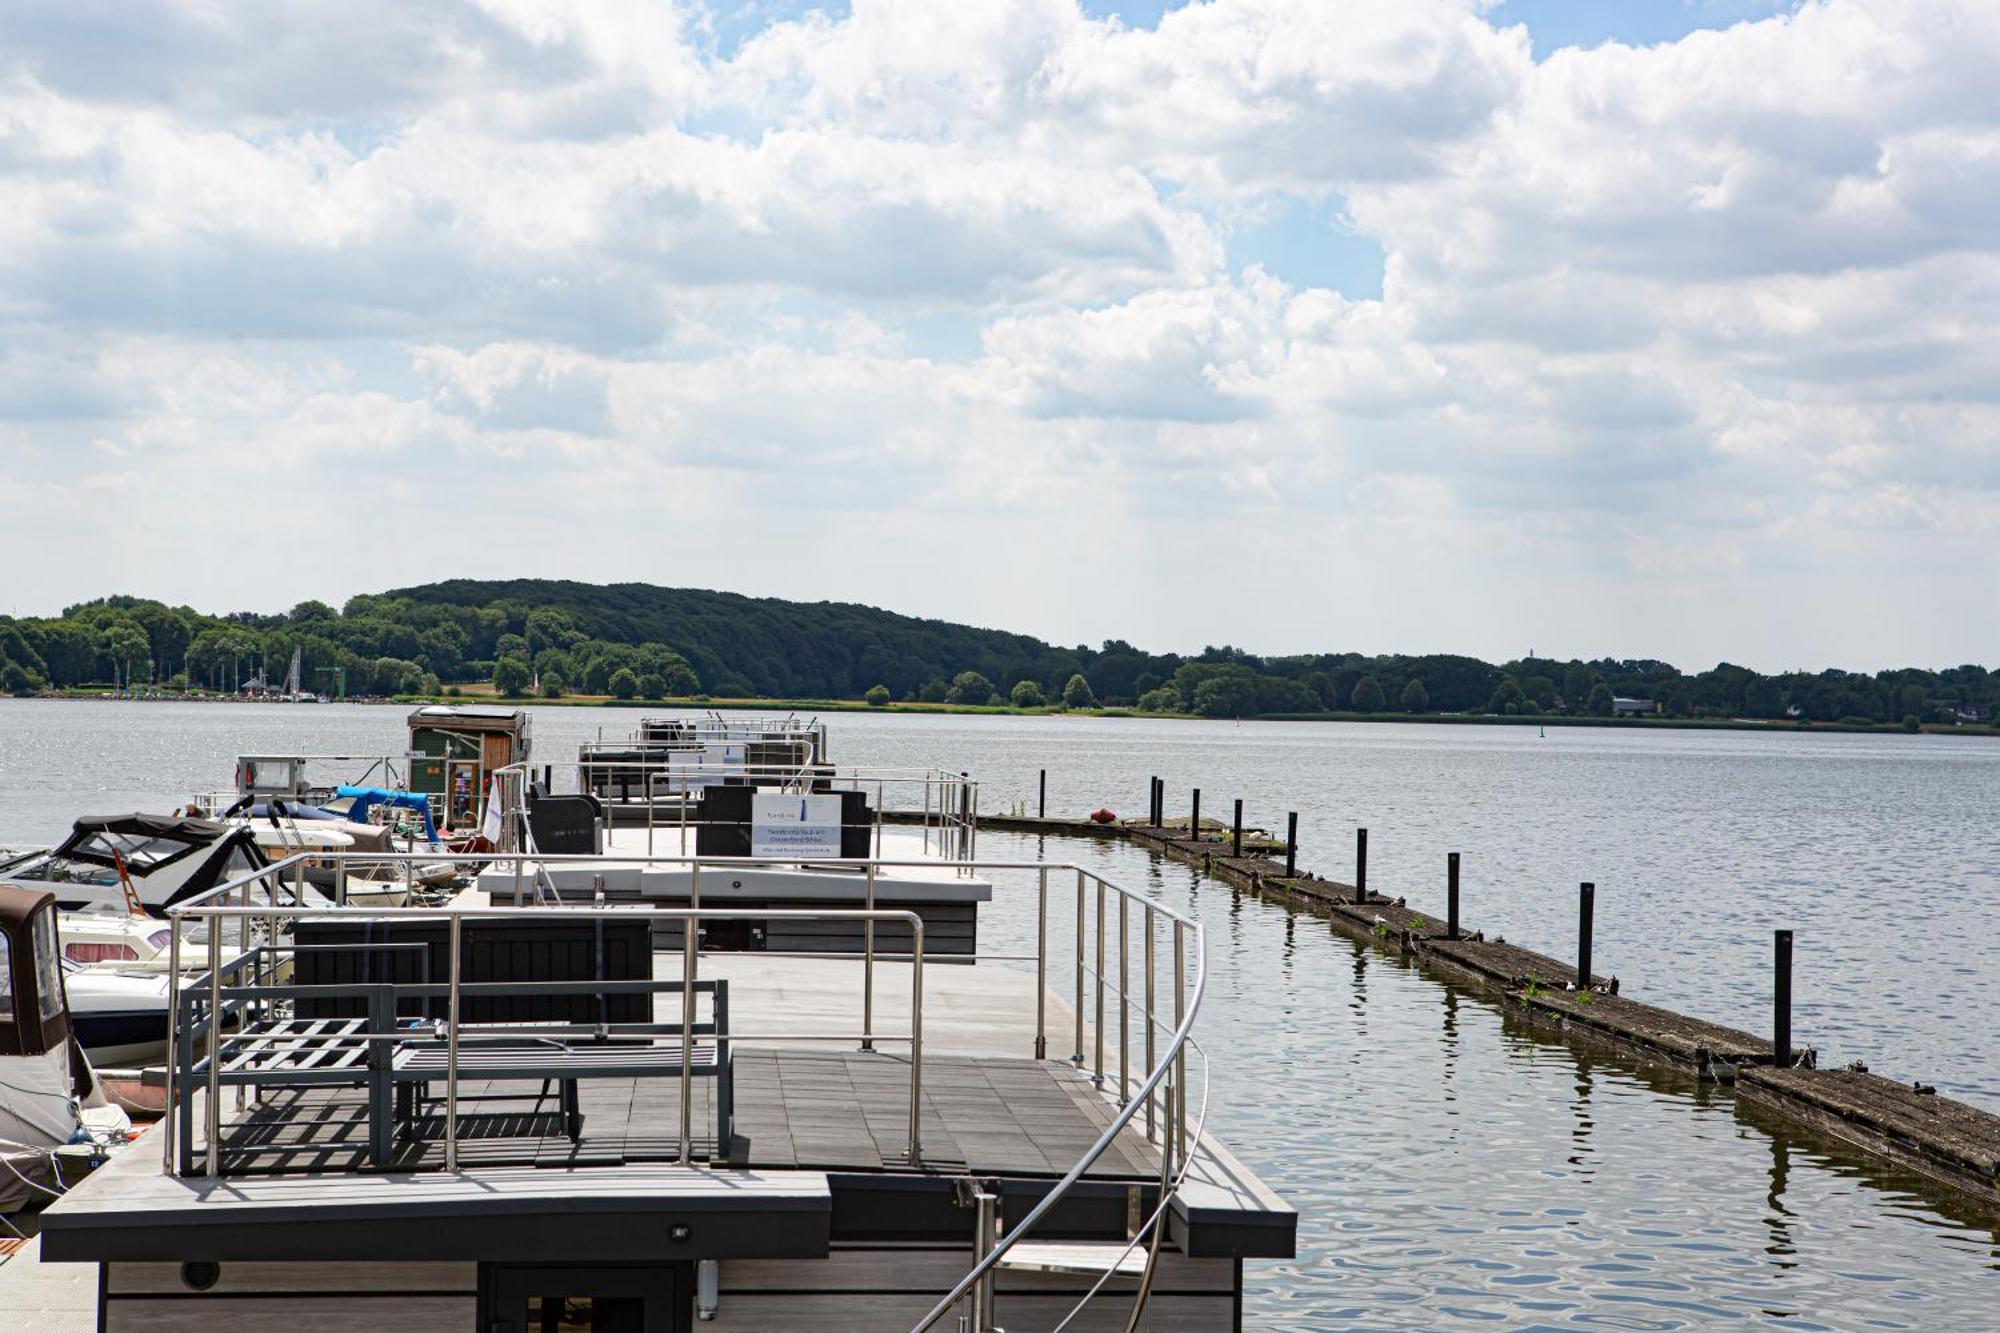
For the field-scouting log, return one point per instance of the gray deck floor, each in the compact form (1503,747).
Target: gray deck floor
(812,1109)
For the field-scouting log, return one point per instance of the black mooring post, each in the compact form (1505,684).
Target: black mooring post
(1194,819)
(1159,802)
(1586,901)
(1042,798)
(1451,896)
(1781,1003)
(1361,865)
(1292,845)
(1236,831)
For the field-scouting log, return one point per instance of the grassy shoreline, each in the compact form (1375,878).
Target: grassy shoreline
(486,695)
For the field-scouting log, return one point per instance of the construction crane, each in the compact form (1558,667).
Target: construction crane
(339,675)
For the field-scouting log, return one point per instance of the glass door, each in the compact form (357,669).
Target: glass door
(584,1298)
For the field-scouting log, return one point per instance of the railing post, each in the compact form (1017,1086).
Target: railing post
(1781,999)
(169,1121)
(649,811)
(982,1245)
(1042,967)
(456,946)
(1361,865)
(1236,830)
(690,930)
(1076,1057)
(868,966)
(1178,1109)
(1124,997)
(1292,845)
(916,1039)
(1451,896)
(1586,902)
(1097,1076)
(1151,1022)
(214,1107)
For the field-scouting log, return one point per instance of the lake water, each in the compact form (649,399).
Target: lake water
(1451,1167)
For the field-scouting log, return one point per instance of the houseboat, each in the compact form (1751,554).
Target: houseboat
(762,1109)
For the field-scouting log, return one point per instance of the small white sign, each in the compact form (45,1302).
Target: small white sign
(707,766)
(806,827)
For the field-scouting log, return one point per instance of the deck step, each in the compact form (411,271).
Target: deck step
(1088,1258)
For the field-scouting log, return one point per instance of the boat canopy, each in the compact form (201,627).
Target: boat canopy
(144,843)
(367,798)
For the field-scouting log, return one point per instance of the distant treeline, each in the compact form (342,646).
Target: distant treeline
(640,641)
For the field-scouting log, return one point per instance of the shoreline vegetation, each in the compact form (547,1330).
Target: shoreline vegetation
(579,643)
(698,702)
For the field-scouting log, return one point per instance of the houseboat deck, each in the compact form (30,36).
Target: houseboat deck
(816,1110)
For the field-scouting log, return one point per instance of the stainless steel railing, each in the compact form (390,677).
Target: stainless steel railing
(1167,998)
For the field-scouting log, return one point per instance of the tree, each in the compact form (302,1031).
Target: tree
(1165,699)
(511,676)
(553,687)
(1506,699)
(969,687)
(623,683)
(14,679)
(1227,695)
(1600,703)
(1367,696)
(877,696)
(128,647)
(652,685)
(1416,698)
(679,678)
(934,691)
(1027,694)
(1077,693)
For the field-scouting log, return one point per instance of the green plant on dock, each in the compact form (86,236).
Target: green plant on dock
(1582,997)
(1535,990)
(1381,930)
(1418,923)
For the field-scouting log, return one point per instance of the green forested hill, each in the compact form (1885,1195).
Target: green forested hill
(635,640)
(765,646)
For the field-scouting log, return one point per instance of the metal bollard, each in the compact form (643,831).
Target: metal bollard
(1236,830)
(1292,845)
(1451,896)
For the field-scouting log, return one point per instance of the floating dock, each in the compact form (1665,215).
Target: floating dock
(1943,1140)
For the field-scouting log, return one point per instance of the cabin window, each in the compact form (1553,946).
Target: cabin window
(139,851)
(84,951)
(6,979)
(48,963)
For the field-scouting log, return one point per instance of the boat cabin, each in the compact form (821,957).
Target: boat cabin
(454,750)
(137,862)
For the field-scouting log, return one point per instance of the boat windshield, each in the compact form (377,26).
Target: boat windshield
(141,852)
(48,963)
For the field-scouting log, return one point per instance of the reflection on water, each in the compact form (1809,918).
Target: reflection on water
(1450,1165)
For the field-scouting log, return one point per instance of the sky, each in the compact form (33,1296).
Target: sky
(1662,328)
